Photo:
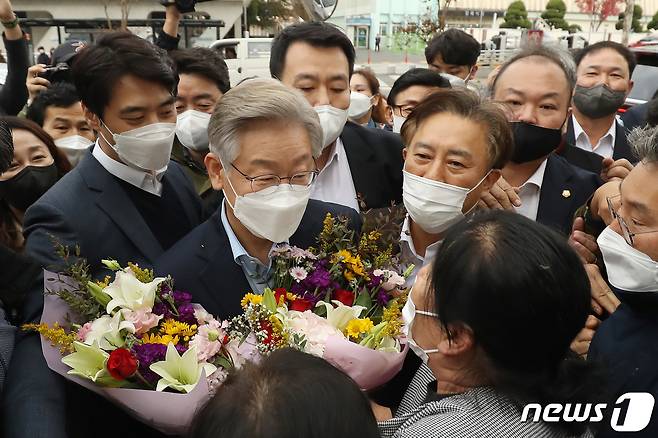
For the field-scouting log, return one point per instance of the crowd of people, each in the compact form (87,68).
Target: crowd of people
(528,208)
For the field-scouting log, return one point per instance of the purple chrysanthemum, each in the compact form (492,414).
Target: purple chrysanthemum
(320,278)
(148,354)
(382,297)
(374,281)
(186,314)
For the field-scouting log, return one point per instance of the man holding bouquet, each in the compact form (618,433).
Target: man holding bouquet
(264,139)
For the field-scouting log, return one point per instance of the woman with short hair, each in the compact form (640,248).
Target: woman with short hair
(493,326)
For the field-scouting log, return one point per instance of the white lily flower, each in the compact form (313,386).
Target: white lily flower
(128,292)
(106,331)
(341,315)
(88,361)
(181,373)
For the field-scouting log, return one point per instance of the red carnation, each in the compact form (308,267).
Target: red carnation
(344,296)
(279,293)
(301,305)
(121,364)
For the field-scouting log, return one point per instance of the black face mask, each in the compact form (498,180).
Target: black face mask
(532,142)
(28,185)
(598,101)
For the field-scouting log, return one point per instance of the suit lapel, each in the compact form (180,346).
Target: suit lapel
(112,200)
(223,279)
(557,194)
(622,149)
(362,165)
(188,208)
(570,136)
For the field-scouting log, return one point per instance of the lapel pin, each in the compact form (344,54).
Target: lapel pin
(566,193)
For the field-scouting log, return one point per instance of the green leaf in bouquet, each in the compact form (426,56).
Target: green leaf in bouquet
(97,292)
(223,362)
(269,301)
(364,299)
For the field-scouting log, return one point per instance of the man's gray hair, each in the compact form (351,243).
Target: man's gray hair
(259,100)
(644,143)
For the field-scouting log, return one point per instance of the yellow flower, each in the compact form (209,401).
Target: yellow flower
(143,275)
(356,327)
(105,283)
(392,316)
(175,328)
(328,223)
(349,275)
(251,299)
(291,296)
(56,334)
(160,339)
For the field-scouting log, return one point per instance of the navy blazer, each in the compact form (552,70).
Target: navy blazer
(592,161)
(202,263)
(375,160)
(564,190)
(635,117)
(88,207)
(625,343)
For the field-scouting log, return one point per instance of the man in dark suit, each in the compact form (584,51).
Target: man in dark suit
(603,81)
(359,167)
(262,157)
(124,201)
(537,183)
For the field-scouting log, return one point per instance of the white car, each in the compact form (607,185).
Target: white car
(245,57)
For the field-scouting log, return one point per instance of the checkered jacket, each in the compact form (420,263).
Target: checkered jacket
(478,413)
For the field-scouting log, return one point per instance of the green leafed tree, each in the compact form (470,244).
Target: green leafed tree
(516,16)
(636,26)
(554,14)
(653,24)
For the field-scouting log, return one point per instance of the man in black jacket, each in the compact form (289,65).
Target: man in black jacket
(262,158)
(537,183)
(626,341)
(360,168)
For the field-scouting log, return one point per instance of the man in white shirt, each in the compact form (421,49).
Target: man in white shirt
(536,86)
(595,138)
(457,146)
(603,81)
(359,167)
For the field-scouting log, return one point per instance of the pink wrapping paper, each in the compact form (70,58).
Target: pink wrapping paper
(368,368)
(170,413)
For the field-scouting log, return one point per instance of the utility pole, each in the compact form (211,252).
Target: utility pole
(628,21)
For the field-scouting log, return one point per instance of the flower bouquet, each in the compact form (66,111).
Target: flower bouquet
(341,300)
(137,341)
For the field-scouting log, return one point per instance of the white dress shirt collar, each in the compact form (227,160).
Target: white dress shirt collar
(334,182)
(409,254)
(147,181)
(530,193)
(605,146)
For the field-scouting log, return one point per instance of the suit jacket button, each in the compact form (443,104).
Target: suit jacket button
(566,193)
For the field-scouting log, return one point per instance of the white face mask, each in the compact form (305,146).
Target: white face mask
(628,269)
(146,148)
(271,215)
(360,104)
(455,81)
(332,121)
(433,205)
(398,121)
(192,130)
(74,147)
(409,313)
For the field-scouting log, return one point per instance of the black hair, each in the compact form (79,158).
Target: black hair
(624,51)
(416,76)
(60,95)
(98,67)
(6,146)
(455,47)
(525,295)
(204,62)
(316,34)
(290,394)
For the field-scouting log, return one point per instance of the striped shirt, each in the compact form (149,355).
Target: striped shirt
(478,413)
